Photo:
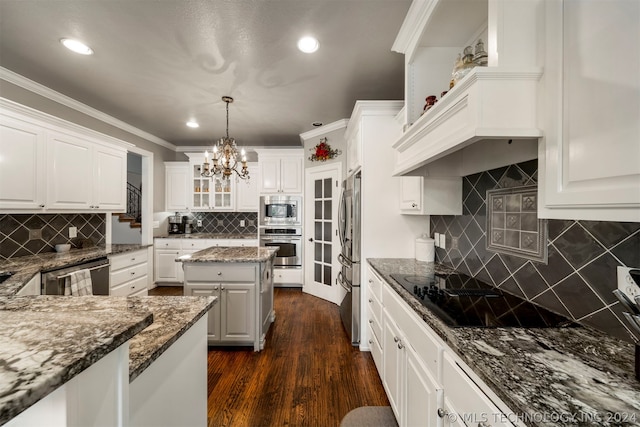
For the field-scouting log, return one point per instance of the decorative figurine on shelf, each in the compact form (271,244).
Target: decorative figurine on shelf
(431,101)
(456,66)
(480,57)
(467,64)
(323,151)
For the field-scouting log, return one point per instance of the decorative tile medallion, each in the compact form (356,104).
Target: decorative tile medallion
(513,223)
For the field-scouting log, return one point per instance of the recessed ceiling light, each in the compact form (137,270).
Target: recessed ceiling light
(308,44)
(317,124)
(193,124)
(76,46)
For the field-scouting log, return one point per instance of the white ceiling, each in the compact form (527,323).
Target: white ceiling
(159,63)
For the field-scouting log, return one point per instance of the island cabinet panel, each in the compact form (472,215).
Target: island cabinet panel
(237,319)
(172,392)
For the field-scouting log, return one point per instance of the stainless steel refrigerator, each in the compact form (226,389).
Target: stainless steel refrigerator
(349,276)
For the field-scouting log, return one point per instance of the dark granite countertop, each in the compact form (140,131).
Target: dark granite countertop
(208,236)
(35,359)
(231,254)
(24,268)
(579,374)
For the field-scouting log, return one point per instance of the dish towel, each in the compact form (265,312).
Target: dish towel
(78,283)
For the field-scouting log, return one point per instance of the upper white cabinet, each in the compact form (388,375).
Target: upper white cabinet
(489,103)
(280,171)
(22,170)
(247,197)
(589,158)
(421,195)
(49,165)
(177,186)
(354,148)
(84,176)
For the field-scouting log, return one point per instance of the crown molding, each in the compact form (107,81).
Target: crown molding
(323,130)
(25,83)
(413,25)
(201,148)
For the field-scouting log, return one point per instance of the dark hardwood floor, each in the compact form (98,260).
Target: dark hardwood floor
(307,375)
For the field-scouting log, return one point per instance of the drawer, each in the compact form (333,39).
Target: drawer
(375,308)
(376,350)
(126,260)
(216,273)
(287,275)
(197,244)
(466,397)
(133,287)
(375,283)
(128,274)
(243,242)
(168,243)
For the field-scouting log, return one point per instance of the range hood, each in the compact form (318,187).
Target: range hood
(489,104)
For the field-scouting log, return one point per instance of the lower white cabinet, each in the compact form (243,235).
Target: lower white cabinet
(244,310)
(128,274)
(426,383)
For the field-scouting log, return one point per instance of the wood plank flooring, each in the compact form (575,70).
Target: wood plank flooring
(307,375)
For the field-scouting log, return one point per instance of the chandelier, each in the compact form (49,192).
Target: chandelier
(225,156)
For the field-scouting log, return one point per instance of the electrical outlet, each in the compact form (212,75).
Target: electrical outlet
(436,238)
(454,243)
(443,241)
(242,223)
(626,283)
(199,223)
(73,232)
(35,234)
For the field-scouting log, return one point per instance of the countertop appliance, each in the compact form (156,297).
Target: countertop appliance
(460,300)
(280,210)
(52,281)
(176,225)
(349,257)
(289,243)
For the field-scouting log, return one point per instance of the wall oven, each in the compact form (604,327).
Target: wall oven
(280,210)
(289,242)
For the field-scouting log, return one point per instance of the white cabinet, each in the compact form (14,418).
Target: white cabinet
(421,195)
(280,171)
(49,165)
(588,160)
(373,314)
(354,149)
(209,193)
(129,274)
(233,320)
(177,188)
(22,156)
(82,175)
(247,197)
(166,269)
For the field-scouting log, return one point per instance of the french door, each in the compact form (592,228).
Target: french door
(322,244)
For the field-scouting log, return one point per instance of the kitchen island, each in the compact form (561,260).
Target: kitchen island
(563,376)
(103,360)
(242,279)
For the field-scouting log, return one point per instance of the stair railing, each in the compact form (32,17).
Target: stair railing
(134,202)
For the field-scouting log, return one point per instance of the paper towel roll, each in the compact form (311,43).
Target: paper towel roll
(425,249)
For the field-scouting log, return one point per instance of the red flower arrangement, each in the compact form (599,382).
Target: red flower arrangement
(323,151)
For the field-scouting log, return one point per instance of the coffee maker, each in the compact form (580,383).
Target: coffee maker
(175,224)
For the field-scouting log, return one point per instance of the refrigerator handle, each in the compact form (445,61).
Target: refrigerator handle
(344,261)
(341,218)
(340,281)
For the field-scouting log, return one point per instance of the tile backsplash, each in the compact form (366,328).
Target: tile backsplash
(226,222)
(580,274)
(30,234)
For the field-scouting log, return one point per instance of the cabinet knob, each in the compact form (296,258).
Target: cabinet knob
(371,321)
(133,259)
(97,207)
(370,300)
(133,286)
(42,206)
(222,288)
(370,281)
(413,205)
(219,273)
(442,413)
(133,273)
(400,345)
(396,339)
(370,341)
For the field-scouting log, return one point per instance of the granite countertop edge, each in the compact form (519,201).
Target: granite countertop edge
(238,236)
(137,367)
(474,347)
(25,268)
(230,254)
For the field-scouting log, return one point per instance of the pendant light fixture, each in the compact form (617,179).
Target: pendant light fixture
(225,156)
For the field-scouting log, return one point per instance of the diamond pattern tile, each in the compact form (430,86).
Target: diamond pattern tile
(15,232)
(579,274)
(226,222)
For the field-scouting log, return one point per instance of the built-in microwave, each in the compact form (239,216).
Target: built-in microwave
(280,210)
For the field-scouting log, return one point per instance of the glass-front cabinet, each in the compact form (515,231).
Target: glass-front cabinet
(210,193)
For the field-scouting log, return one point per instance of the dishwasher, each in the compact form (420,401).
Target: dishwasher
(53,280)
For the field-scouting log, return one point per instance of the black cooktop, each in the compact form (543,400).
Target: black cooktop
(460,300)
